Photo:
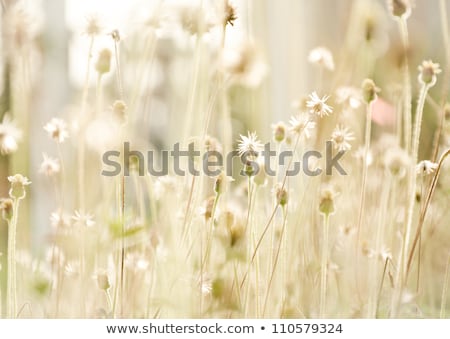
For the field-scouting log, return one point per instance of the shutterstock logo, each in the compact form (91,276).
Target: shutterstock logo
(211,163)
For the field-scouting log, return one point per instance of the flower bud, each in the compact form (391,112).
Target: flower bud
(6,207)
(369,90)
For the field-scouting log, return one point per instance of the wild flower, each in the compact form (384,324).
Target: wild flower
(60,220)
(18,184)
(49,166)
(327,198)
(57,130)
(250,144)
(322,56)
(10,135)
(426,167)
(369,90)
(93,26)
(428,72)
(244,63)
(397,162)
(319,106)
(279,131)
(281,195)
(81,219)
(349,97)
(341,138)
(302,125)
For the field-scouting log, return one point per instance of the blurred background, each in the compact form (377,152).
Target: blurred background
(44,58)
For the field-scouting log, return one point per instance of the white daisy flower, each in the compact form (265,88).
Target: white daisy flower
(341,138)
(318,105)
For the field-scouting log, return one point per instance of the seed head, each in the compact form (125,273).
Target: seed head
(281,195)
(428,72)
(400,8)
(93,27)
(119,110)
(18,184)
(279,131)
(103,280)
(326,204)
(369,90)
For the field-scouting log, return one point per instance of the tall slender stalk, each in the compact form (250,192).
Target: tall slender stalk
(323,266)
(11,306)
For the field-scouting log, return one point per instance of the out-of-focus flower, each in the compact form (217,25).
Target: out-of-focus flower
(9,135)
(322,57)
(57,130)
(244,63)
(428,71)
(302,124)
(49,166)
(318,105)
(341,138)
(93,26)
(426,167)
(349,97)
(83,219)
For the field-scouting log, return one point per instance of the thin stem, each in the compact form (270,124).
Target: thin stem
(272,274)
(11,306)
(445,290)
(406,85)
(323,266)
(412,176)
(362,199)
(424,211)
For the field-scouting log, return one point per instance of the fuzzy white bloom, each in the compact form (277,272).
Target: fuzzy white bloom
(318,105)
(426,167)
(57,130)
(83,219)
(349,96)
(341,138)
(244,63)
(302,124)
(59,220)
(250,144)
(49,166)
(321,56)
(9,135)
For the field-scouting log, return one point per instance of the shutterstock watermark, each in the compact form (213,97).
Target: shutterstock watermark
(211,163)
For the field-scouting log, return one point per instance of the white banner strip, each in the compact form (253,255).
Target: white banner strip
(273,328)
